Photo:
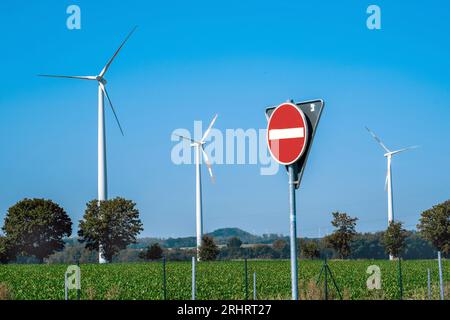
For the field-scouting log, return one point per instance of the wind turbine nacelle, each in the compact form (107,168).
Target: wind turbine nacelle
(102,80)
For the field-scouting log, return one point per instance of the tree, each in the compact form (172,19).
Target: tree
(36,227)
(309,249)
(434,226)
(5,250)
(394,239)
(282,248)
(73,253)
(368,246)
(112,223)
(177,254)
(234,243)
(262,251)
(233,248)
(208,250)
(418,248)
(341,239)
(153,252)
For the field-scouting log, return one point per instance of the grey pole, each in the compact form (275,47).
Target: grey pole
(78,275)
(254,285)
(246,279)
(429,284)
(293,234)
(441,281)
(66,295)
(164,279)
(193,278)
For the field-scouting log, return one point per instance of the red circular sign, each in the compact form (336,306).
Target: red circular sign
(287,133)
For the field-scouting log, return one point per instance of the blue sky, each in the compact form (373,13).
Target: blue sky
(190,60)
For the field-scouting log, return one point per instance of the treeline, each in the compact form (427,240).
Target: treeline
(37,230)
(343,243)
(363,246)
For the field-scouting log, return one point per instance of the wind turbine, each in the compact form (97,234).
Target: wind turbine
(388,184)
(102,172)
(199,148)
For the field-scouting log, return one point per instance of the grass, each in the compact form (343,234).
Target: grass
(218,280)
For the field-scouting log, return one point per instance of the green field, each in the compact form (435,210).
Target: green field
(218,280)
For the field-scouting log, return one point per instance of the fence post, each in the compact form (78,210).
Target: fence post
(193,278)
(164,279)
(429,283)
(78,280)
(78,275)
(400,282)
(326,279)
(441,280)
(246,279)
(254,285)
(66,293)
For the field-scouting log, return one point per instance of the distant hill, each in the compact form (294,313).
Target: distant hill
(223,234)
(220,236)
(231,232)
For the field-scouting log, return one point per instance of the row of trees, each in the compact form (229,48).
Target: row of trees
(393,239)
(38,228)
(434,226)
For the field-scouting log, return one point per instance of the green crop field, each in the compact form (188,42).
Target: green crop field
(219,280)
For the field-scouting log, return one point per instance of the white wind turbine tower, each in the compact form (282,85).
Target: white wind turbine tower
(102,172)
(388,184)
(199,147)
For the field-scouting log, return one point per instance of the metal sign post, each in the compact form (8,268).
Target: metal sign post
(290,133)
(293,235)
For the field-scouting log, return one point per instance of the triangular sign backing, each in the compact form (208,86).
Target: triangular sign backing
(312,110)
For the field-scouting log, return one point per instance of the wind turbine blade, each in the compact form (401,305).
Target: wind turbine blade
(208,164)
(105,69)
(188,139)
(68,77)
(205,135)
(404,149)
(111,105)
(378,140)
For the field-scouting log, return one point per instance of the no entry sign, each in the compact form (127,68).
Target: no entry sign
(287,133)
(312,110)
(290,133)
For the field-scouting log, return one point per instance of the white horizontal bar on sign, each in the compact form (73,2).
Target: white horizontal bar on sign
(292,133)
